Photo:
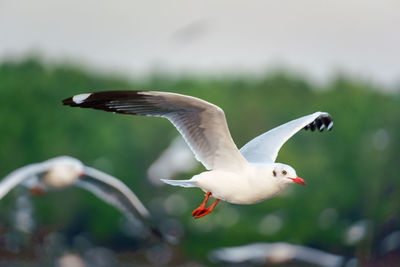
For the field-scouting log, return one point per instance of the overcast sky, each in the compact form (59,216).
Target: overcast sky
(316,37)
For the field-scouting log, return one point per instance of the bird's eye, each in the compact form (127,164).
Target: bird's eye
(274,173)
(284,172)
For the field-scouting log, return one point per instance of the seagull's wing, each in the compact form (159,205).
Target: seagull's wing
(202,124)
(114,192)
(21,175)
(264,148)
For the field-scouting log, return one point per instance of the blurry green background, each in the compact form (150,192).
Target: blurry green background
(352,171)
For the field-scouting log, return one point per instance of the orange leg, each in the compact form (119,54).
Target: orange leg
(37,191)
(202,210)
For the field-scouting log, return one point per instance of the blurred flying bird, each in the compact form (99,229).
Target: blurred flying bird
(177,158)
(277,253)
(390,242)
(240,177)
(192,31)
(64,171)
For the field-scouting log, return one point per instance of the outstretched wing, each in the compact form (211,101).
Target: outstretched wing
(264,148)
(114,192)
(22,175)
(202,124)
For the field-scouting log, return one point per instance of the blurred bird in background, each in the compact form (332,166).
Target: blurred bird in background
(60,172)
(176,158)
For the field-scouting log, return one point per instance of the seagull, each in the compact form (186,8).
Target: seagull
(279,252)
(246,176)
(64,171)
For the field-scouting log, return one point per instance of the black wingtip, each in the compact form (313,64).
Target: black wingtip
(322,122)
(108,101)
(68,101)
(78,100)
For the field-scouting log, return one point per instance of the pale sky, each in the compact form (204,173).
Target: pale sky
(315,37)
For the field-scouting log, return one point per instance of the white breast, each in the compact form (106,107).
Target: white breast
(249,186)
(60,176)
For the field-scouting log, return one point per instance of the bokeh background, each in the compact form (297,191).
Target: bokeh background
(264,63)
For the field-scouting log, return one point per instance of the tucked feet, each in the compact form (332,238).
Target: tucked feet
(202,210)
(37,191)
(199,210)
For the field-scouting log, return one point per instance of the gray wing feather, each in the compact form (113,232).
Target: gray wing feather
(114,192)
(202,124)
(21,176)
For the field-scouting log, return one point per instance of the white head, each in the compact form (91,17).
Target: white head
(63,171)
(286,174)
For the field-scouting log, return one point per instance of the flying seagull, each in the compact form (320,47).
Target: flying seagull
(244,176)
(64,171)
(279,252)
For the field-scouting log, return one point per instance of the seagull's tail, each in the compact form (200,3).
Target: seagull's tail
(183,183)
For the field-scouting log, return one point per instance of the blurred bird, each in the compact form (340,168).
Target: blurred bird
(390,242)
(64,171)
(241,177)
(176,158)
(277,253)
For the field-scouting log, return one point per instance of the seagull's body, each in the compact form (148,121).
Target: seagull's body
(250,185)
(65,171)
(241,177)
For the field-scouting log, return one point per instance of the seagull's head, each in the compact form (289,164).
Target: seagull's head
(286,174)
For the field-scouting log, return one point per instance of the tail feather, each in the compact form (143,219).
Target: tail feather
(183,183)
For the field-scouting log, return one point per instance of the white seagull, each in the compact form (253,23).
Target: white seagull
(240,177)
(64,171)
(279,252)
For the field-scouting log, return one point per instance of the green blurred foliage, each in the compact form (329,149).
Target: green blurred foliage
(351,171)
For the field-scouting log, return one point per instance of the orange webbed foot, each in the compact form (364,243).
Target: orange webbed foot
(202,210)
(198,210)
(202,213)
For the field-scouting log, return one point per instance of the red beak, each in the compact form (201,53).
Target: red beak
(298,180)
